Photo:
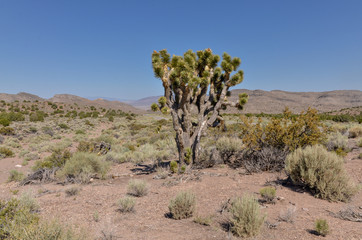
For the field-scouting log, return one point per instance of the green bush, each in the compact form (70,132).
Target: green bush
(268,193)
(246,219)
(84,166)
(288,132)
(228,146)
(57,159)
(126,204)
(49,230)
(15,176)
(37,116)
(72,191)
(7,131)
(203,220)
(322,172)
(63,126)
(321,227)
(355,131)
(137,188)
(6,152)
(183,205)
(173,166)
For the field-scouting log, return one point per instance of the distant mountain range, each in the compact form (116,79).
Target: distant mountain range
(259,101)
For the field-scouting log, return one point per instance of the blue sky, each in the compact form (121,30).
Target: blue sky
(103,48)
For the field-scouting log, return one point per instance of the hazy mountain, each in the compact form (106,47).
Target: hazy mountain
(275,101)
(259,101)
(20,97)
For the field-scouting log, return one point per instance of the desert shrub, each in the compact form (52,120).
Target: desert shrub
(321,227)
(162,173)
(355,131)
(336,140)
(173,166)
(228,146)
(183,205)
(15,176)
(287,132)
(79,131)
(63,126)
(83,166)
(359,143)
(203,220)
(116,157)
(267,158)
(33,129)
(126,204)
(48,130)
(246,219)
(288,215)
(137,188)
(56,160)
(5,122)
(72,191)
(6,152)
(7,131)
(37,116)
(85,146)
(338,143)
(322,172)
(47,230)
(268,193)
(12,216)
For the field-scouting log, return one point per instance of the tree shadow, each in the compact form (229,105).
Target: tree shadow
(145,169)
(314,232)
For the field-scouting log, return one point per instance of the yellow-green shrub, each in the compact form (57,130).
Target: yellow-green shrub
(355,131)
(283,133)
(183,205)
(246,219)
(322,172)
(83,166)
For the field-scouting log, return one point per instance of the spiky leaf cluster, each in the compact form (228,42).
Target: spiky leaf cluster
(193,73)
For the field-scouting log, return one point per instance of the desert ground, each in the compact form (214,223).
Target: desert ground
(142,146)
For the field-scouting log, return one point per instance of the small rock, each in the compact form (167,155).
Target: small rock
(280,198)
(19,166)
(305,209)
(91,180)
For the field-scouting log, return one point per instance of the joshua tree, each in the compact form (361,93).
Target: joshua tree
(196,90)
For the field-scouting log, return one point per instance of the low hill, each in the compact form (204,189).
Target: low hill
(22,96)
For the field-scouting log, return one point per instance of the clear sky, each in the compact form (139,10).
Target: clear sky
(103,48)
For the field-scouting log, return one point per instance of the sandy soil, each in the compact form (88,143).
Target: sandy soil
(94,208)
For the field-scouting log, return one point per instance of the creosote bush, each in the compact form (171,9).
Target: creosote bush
(355,131)
(84,166)
(228,147)
(203,220)
(183,205)
(137,188)
(126,204)
(5,152)
(15,176)
(321,227)
(336,141)
(246,219)
(268,193)
(7,131)
(56,160)
(322,172)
